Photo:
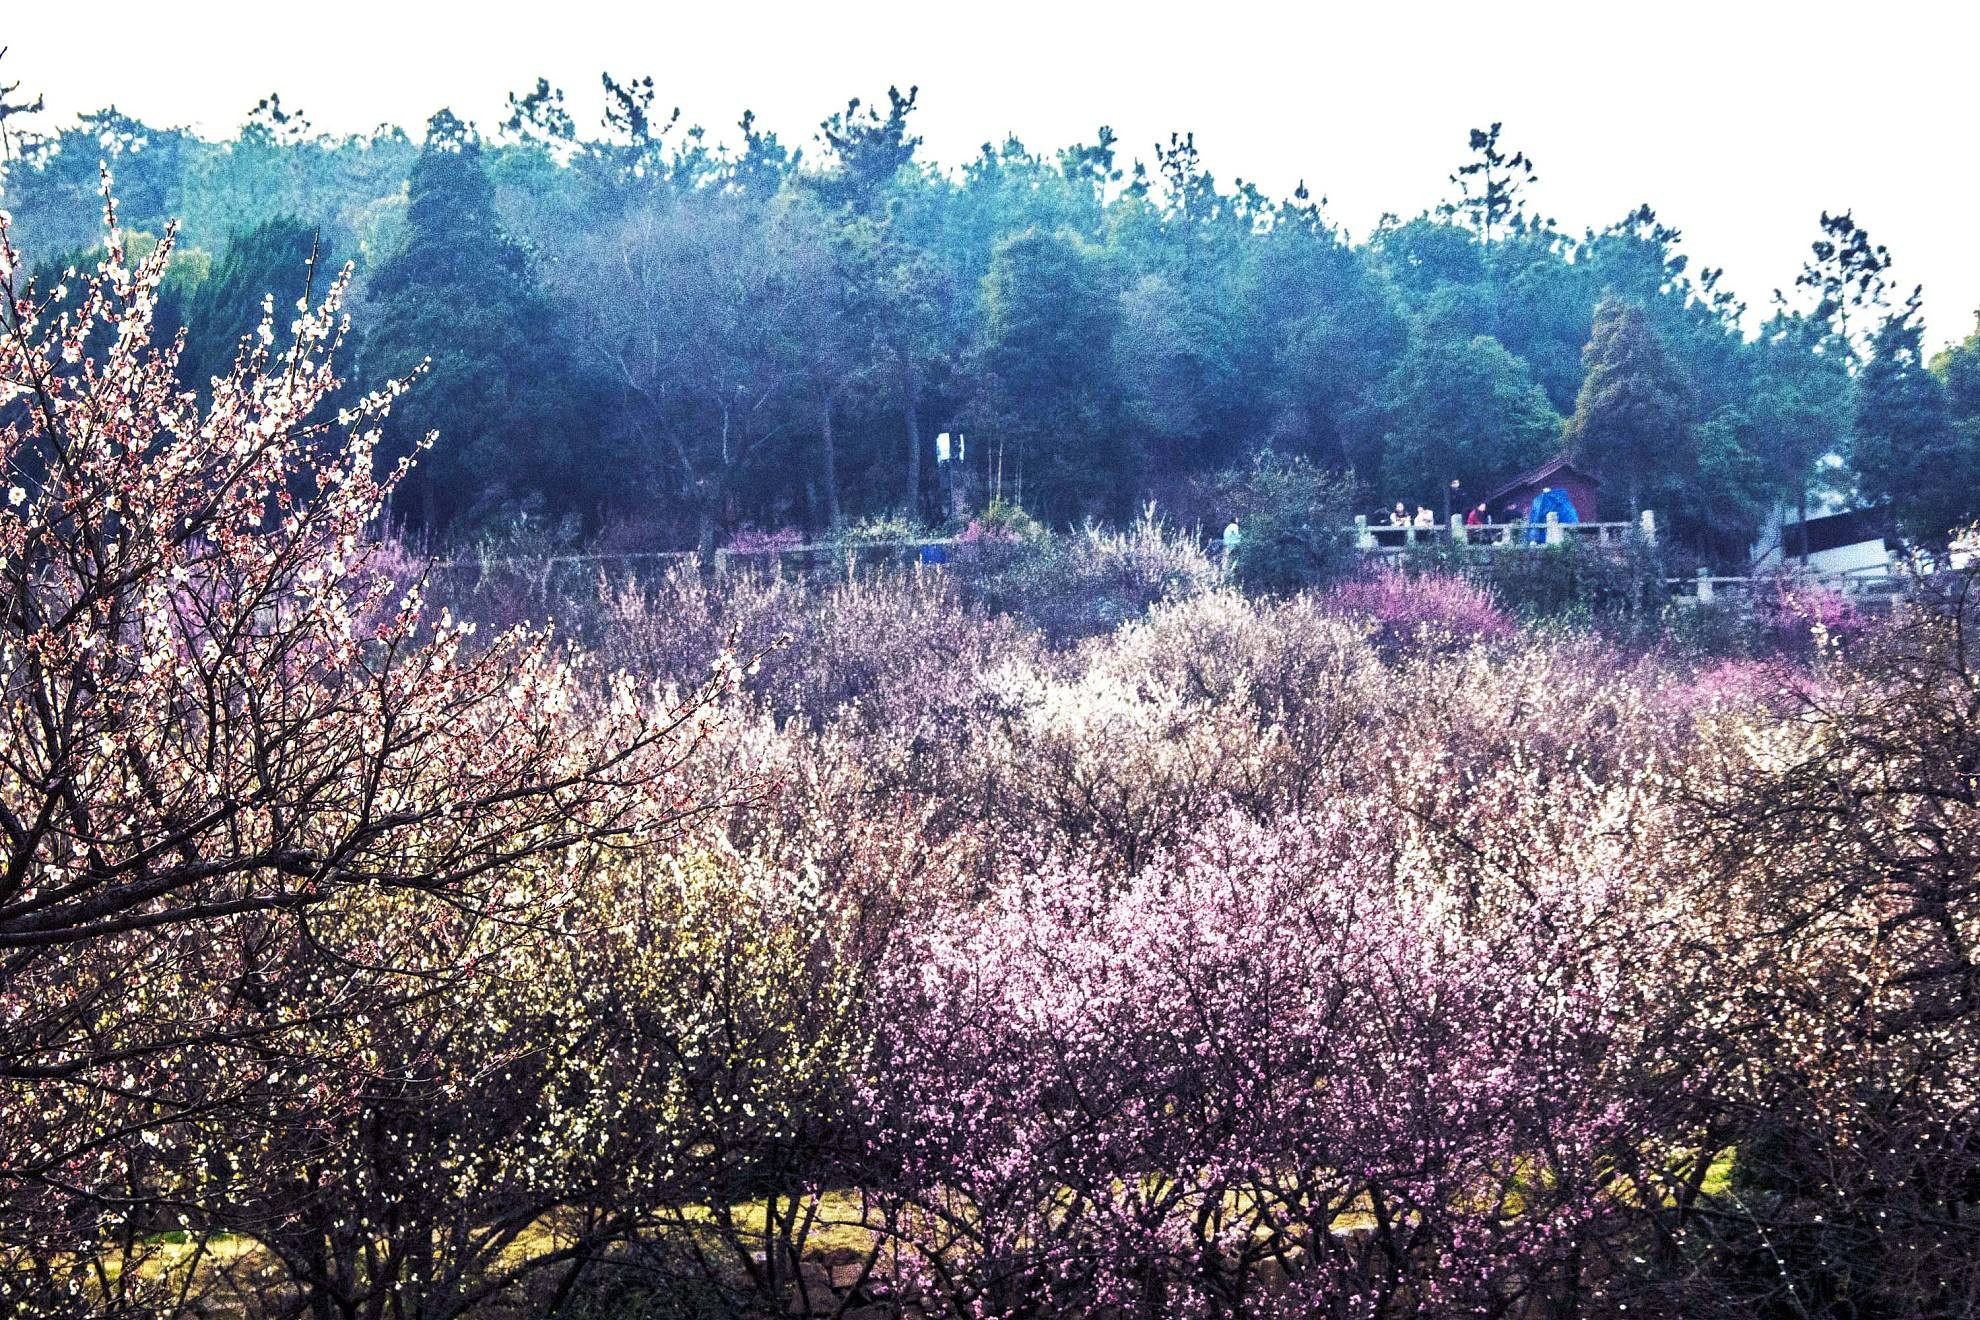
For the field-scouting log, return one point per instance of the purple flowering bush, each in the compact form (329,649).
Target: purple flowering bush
(1417,609)
(1797,616)
(1285,1070)
(749,540)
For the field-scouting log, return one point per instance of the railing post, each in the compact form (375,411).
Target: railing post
(1554,532)
(1704,586)
(1649,524)
(1409,533)
(1363,538)
(1458,534)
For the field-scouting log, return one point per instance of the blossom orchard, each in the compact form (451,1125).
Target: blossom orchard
(1081,939)
(1302,1068)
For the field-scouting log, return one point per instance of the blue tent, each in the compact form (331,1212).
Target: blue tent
(1553,500)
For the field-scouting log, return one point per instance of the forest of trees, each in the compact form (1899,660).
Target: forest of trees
(645,329)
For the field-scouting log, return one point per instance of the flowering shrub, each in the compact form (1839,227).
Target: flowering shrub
(1741,687)
(879,529)
(1001,523)
(1096,578)
(1845,817)
(1418,609)
(1797,616)
(1285,1072)
(748,540)
(677,1040)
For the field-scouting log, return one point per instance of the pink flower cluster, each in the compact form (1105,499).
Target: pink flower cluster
(1796,614)
(749,540)
(1406,608)
(1295,1069)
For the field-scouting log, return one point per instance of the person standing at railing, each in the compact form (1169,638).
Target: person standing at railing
(1554,505)
(1476,518)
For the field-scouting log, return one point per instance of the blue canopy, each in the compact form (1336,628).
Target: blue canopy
(1553,500)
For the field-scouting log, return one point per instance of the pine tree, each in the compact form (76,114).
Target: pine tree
(1490,185)
(1906,453)
(271,260)
(499,388)
(1629,419)
(1848,275)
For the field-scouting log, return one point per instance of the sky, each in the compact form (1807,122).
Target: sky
(1740,121)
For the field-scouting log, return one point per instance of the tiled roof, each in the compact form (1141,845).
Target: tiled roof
(1534,476)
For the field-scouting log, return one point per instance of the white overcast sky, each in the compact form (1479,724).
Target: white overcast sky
(1738,120)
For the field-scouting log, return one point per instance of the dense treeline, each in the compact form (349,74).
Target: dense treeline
(643,328)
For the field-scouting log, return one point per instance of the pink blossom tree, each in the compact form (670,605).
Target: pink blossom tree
(1298,1069)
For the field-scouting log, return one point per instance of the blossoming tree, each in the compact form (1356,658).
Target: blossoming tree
(220,729)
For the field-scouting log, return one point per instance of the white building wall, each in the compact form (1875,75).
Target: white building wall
(1862,557)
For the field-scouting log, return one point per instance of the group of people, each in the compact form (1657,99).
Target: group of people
(1478,520)
(1400,516)
(1517,521)
(1479,516)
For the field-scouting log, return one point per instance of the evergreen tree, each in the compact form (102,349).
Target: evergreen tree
(1173,359)
(1051,315)
(1490,185)
(1847,275)
(1905,452)
(867,150)
(1322,331)
(1958,370)
(460,292)
(1459,407)
(1797,410)
(900,304)
(271,260)
(1422,255)
(1735,490)
(1629,419)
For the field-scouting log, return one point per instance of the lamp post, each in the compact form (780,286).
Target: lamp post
(1450,493)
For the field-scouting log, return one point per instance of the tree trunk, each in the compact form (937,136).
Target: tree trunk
(705,543)
(914,449)
(832,511)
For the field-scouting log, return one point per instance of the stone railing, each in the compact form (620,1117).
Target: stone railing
(1393,538)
